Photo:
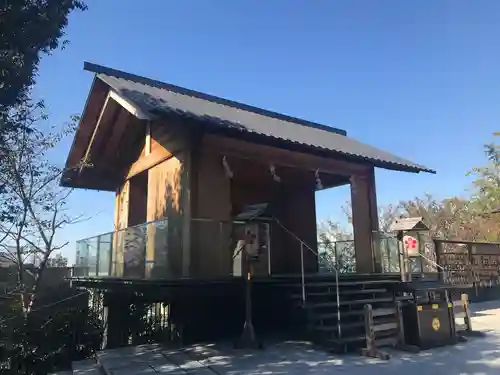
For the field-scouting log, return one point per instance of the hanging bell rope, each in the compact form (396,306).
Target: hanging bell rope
(227,168)
(272,169)
(319,184)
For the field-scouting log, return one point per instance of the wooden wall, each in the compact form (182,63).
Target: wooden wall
(191,190)
(157,187)
(219,198)
(211,253)
(296,210)
(138,189)
(168,190)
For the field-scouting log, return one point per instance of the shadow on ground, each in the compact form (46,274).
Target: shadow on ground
(477,356)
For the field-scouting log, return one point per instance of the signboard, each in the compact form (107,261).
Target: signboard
(411,245)
(468,264)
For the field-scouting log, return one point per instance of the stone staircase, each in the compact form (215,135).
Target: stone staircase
(320,310)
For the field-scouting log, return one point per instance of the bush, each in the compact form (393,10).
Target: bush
(60,329)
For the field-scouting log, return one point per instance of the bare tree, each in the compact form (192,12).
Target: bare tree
(32,205)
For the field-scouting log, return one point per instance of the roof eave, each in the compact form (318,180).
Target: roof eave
(282,143)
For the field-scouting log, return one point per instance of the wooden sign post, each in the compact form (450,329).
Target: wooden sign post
(407,245)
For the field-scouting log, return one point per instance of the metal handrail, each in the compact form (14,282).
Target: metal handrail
(302,245)
(435,264)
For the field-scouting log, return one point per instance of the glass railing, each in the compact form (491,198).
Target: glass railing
(159,249)
(342,255)
(162,250)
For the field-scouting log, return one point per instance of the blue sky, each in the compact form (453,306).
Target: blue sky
(418,79)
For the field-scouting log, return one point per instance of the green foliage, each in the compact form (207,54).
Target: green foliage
(60,330)
(449,218)
(468,219)
(28,29)
(486,184)
(336,248)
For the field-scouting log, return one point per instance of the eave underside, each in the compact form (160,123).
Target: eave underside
(104,148)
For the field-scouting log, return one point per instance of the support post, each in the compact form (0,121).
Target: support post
(437,251)
(401,328)
(465,305)
(365,222)
(98,256)
(302,274)
(116,314)
(248,339)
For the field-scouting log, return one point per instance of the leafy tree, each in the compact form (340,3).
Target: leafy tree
(450,218)
(485,198)
(28,29)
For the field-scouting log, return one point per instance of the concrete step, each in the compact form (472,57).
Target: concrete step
(86,367)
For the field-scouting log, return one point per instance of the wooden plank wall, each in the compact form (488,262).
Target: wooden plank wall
(138,186)
(210,232)
(297,212)
(219,198)
(163,195)
(190,189)
(168,186)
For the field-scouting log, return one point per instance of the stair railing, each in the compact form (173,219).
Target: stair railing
(302,273)
(435,264)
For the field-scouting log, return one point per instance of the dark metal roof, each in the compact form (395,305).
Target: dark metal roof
(153,97)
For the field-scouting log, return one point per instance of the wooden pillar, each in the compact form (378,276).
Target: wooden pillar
(365,223)
(116,320)
(121,222)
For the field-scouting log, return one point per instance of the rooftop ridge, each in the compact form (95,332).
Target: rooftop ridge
(99,69)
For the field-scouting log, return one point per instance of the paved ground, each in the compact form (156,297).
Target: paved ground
(479,356)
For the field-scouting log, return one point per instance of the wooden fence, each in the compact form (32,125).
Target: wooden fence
(469,263)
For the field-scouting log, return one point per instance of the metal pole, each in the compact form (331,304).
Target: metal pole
(247,339)
(98,255)
(388,252)
(336,264)
(302,274)
(402,263)
(111,257)
(339,329)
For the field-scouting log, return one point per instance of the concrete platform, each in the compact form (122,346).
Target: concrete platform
(479,356)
